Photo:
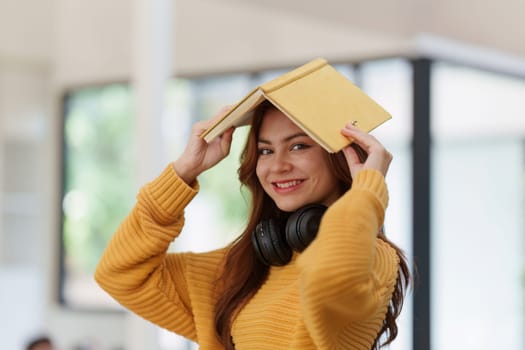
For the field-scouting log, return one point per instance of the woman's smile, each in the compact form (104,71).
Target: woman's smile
(287,185)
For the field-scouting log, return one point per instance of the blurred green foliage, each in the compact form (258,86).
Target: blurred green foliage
(99,166)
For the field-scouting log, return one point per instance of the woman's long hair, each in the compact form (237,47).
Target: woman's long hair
(243,273)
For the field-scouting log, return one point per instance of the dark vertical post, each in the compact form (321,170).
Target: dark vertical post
(421,154)
(65,99)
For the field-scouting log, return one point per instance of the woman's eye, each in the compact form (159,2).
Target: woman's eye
(299,146)
(264,151)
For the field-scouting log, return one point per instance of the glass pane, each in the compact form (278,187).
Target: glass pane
(263,77)
(472,103)
(345,69)
(478,173)
(99,187)
(389,83)
(478,260)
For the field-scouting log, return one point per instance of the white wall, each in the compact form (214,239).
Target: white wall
(26,36)
(27,31)
(94,39)
(29,187)
(487,23)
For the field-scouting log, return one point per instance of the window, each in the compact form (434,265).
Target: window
(99,187)
(389,83)
(478,172)
(98,184)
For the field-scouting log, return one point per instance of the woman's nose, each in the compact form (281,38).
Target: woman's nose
(281,162)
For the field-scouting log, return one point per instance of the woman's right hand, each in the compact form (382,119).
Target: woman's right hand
(199,156)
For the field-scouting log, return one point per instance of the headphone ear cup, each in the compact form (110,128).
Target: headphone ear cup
(269,243)
(302,226)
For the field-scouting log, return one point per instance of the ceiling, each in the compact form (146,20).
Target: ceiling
(488,23)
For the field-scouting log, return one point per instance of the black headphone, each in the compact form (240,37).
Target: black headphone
(273,247)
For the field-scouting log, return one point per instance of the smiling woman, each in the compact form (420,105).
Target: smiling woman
(346,288)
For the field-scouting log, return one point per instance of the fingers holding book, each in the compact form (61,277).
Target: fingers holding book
(379,157)
(199,155)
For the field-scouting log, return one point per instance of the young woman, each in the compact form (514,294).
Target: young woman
(342,287)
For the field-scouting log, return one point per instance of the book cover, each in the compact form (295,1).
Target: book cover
(317,98)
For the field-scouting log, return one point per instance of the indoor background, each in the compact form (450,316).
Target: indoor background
(96,97)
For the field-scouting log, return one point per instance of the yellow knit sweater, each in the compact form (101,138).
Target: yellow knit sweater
(334,295)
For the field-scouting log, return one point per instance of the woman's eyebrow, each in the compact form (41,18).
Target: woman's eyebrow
(286,139)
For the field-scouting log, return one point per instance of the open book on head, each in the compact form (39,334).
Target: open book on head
(317,98)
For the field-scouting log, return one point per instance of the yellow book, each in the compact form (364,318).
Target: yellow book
(314,96)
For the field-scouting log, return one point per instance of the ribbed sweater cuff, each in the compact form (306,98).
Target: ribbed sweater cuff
(373,181)
(169,194)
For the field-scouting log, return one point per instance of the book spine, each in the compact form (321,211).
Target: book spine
(293,75)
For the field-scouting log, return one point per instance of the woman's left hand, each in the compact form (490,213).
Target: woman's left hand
(378,157)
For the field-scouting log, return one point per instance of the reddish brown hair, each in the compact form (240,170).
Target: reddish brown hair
(243,273)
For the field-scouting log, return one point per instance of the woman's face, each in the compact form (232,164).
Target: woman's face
(292,168)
